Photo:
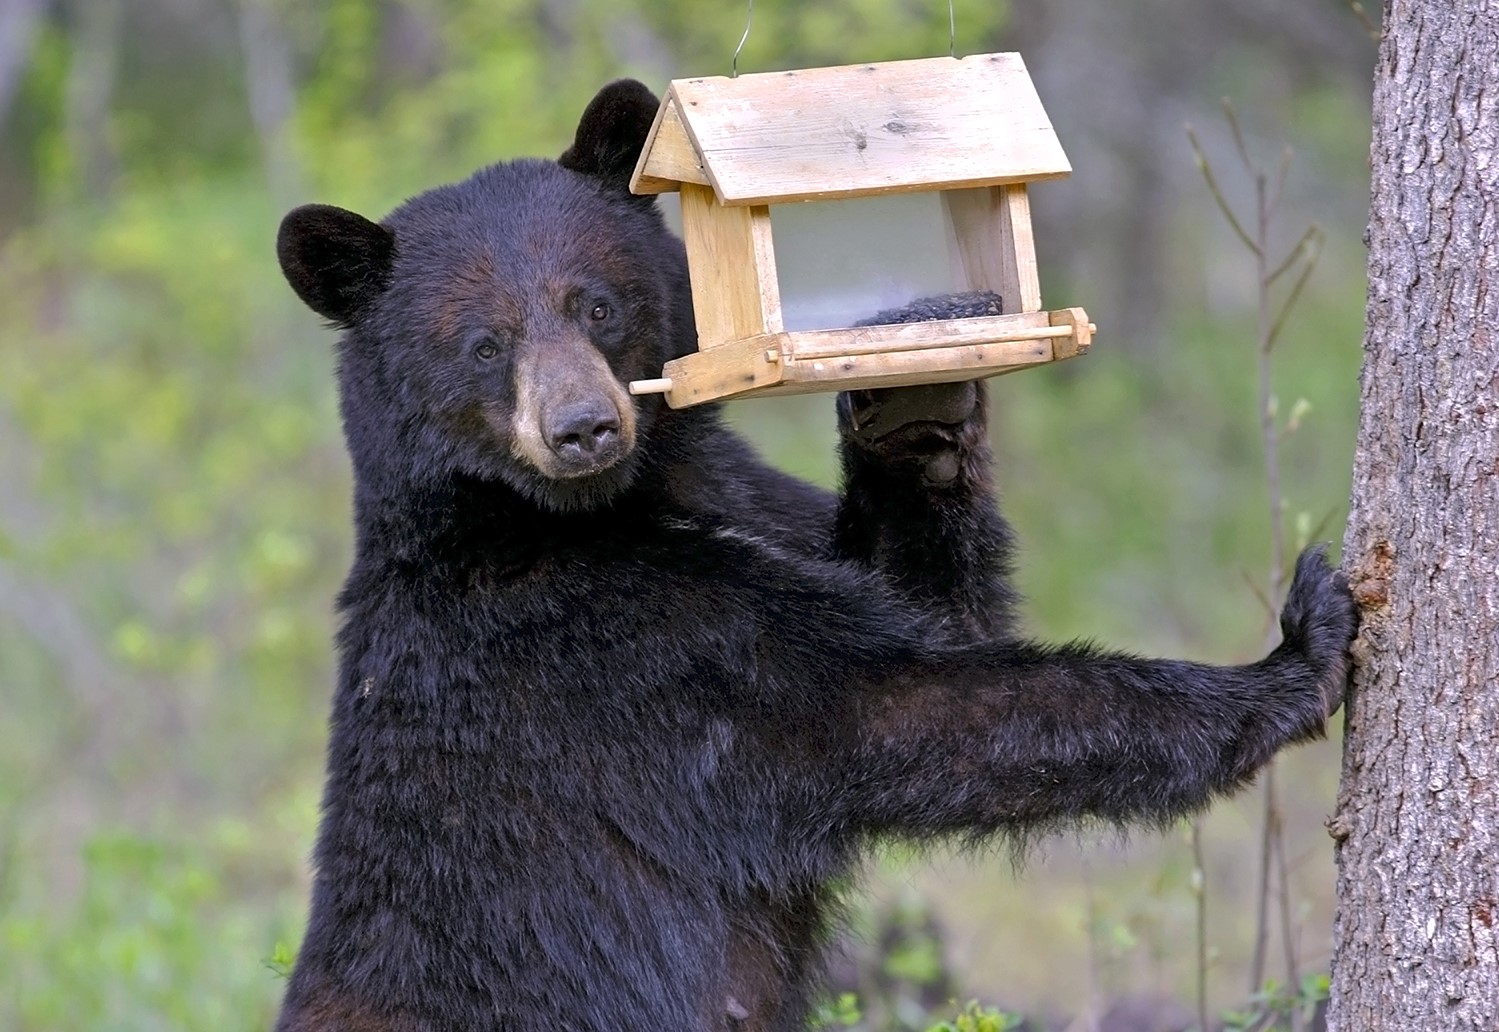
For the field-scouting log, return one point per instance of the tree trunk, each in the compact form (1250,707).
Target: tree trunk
(1417,931)
(272,95)
(92,67)
(19,22)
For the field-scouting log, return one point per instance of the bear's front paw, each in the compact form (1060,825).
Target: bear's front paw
(1319,622)
(926,427)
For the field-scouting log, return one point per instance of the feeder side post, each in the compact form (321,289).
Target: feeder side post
(976,242)
(1020,245)
(735,293)
(993,247)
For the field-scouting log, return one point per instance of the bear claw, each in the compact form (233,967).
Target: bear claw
(1319,622)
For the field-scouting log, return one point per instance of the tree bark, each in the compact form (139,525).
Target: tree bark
(92,68)
(1417,930)
(272,94)
(19,22)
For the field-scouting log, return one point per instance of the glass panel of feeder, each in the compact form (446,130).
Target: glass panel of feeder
(842,261)
(670,204)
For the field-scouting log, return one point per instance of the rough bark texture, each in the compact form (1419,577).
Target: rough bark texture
(1418,863)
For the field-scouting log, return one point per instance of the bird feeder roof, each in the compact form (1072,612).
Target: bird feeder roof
(937,123)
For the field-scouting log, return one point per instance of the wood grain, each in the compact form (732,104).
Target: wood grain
(855,130)
(729,250)
(876,356)
(993,246)
(669,157)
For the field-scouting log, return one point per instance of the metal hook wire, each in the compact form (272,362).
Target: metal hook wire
(749,19)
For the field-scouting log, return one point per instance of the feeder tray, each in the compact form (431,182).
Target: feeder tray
(972,130)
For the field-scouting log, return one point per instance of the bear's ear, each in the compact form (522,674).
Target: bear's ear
(336,261)
(612,132)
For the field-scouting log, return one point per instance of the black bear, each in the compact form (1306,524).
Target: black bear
(618,705)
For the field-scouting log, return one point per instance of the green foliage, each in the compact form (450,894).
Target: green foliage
(1275,1009)
(917,959)
(977,1018)
(844,1012)
(279,963)
(158,937)
(841,1012)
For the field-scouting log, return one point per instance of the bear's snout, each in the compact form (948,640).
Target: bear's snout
(584,435)
(573,417)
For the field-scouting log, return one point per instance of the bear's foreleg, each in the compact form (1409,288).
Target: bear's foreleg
(918,502)
(1012,736)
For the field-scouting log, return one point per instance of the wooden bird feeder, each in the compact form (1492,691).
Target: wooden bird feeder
(746,150)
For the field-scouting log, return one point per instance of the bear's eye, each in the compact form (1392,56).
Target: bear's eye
(486,351)
(601,311)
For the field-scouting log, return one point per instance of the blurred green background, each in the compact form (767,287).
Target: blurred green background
(174,492)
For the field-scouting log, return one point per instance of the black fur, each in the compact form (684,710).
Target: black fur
(611,133)
(601,745)
(337,262)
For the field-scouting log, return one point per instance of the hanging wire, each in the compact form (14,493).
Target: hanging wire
(749,19)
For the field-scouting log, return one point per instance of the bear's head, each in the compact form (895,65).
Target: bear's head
(492,326)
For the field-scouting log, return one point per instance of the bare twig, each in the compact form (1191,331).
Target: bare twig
(1270,320)
(1287,925)
(1322,524)
(10,846)
(1088,1020)
(1312,257)
(1363,16)
(1298,251)
(1262,899)
(1199,888)
(1279,185)
(49,618)
(1207,174)
(1259,593)
(1232,117)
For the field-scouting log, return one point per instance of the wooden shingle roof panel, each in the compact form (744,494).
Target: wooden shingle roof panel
(855,130)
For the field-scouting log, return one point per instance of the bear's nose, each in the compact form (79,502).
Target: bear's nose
(584,431)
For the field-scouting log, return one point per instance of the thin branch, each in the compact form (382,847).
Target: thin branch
(50,620)
(1279,184)
(1268,191)
(1199,889)
(1259,593)
(1262,898)
(1295,292)
(10,846)
(1364,19)
(1287,924)
(1207,174)
(1095,993)
(1232,117)
(1297,252)
(1321,525)
(1270,831)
